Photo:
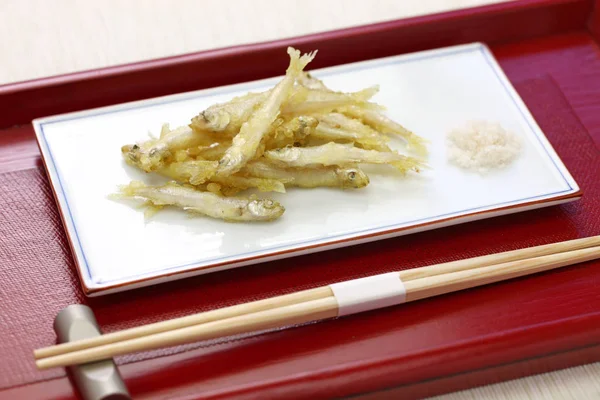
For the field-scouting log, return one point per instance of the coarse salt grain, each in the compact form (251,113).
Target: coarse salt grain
(482,146)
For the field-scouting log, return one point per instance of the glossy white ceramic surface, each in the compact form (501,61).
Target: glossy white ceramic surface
(430,92)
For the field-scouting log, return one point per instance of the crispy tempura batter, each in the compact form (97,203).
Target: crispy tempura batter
(336,127)
(338,120)
(349,177)
(229,117)
(213,152)
(292,132)
(206,203)
(284,133)
(384,124)
(328,133)
(155,153)
(372,117)
(298,133)
(339,154)
(306,101)
(198,172)
(247,141)
(310,82)
(195,172)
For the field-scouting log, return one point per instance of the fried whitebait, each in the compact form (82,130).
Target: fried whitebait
(310,82)
(371,117)
(340,154)
(347,178)
(384,124)
(335,127)
(247,182)
(155,153)
(197,172)
(307,101)
(205,203)
(299,133)
(247,141)
(212,152)
(342,121)
(229,117)
(292,132)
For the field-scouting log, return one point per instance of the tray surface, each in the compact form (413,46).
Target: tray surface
(431,92)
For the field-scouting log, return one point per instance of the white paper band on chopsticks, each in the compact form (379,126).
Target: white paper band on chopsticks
(369,293)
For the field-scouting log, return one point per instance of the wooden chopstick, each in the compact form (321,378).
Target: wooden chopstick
(324,308)
(293,314)
(310,295)
(454,281)
(190,320)
(498,258)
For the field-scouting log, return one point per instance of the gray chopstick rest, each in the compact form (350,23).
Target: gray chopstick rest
(98,380)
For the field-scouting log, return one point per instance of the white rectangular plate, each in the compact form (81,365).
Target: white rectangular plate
(430,92)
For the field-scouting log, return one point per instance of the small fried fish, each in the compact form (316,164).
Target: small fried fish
(371,117)
(342,121)
(247,141)
(384,124)
(247,182)
(341,177)
(310,82)
(155,153)
(205,203)
(334,127)
(340,154)
(195,172)
(292,132)
(229,117)
(198,172)
(283,133)
(307,101)
(212,152)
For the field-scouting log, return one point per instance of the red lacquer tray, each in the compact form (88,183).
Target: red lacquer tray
(549,50)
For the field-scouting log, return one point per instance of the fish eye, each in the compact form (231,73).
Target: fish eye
(352,175)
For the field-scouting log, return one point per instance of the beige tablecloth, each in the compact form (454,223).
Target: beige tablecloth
(42,37)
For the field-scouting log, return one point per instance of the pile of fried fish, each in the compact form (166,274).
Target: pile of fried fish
(299,133)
